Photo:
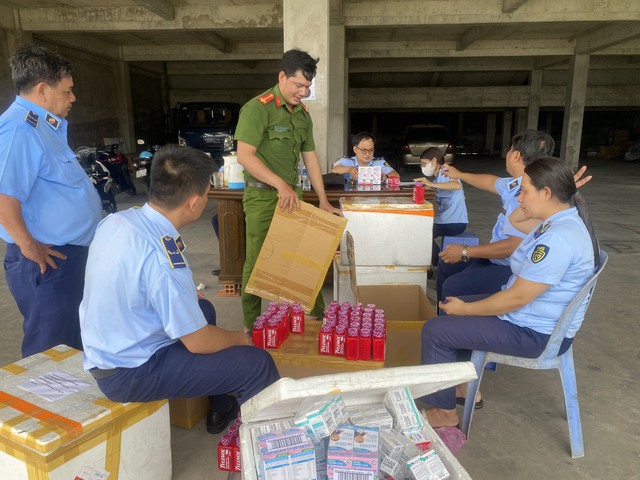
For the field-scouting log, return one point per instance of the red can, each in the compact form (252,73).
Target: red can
(393,181)
(418,193)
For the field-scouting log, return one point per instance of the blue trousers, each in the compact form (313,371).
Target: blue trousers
(444,230)
(174,372)
(451,338)
(49,303)
(477,277)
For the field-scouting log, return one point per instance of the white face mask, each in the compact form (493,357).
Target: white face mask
(428,170)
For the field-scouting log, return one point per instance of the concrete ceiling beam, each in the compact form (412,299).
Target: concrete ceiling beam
(83,42)
(162,8)
(212,39)
(607,36)
(509,6)
(469,36)
(167,53)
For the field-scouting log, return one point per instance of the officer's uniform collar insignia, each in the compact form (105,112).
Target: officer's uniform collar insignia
(52,121)
(278,102)
(513,184)
(306,109)
(174,251)
(32,118)
(180,244)
(264,99)
(541,229)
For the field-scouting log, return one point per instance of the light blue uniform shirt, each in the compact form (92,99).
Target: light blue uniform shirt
(353,162)
(508,189)
(60,205)
(451,205)
(134,301)
(560,254)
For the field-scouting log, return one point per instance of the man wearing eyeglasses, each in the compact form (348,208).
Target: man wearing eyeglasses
(364,147)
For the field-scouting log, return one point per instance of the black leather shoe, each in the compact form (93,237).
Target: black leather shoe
(217,422)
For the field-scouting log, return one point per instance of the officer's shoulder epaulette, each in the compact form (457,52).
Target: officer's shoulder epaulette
(306,109)
(266,98)
(32,118)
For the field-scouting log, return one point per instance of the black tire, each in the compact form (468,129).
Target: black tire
(109,203)
(131,187)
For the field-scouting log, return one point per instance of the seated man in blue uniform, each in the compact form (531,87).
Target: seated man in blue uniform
(363,144)
(145,336)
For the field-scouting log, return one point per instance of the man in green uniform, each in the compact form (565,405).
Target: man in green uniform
(273,130)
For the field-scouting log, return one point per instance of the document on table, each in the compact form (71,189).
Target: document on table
(54,385)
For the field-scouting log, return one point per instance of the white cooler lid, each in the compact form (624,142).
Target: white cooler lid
(391,204)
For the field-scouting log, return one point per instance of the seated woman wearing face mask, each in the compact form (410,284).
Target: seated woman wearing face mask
(451,217)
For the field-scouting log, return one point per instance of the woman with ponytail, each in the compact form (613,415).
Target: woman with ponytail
(549,268)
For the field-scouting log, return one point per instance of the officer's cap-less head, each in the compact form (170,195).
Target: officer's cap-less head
(297,60)
(32,65)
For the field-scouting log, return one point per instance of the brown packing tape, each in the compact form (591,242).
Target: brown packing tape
(57,355)
(14,369)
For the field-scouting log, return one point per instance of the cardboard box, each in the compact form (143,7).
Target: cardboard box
(296,255)
(83,431)
(389,230)
(282,400)
(186,412)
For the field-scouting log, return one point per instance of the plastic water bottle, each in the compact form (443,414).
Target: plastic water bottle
(306,183)
(300,175)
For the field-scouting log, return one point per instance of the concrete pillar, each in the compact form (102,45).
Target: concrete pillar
(460,127)
(507,124)
(520,121)
(574,109)
(534,99)
(337,138)
(491,132)
(306,26)
(125,109)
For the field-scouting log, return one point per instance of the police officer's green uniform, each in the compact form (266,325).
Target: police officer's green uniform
(279,136)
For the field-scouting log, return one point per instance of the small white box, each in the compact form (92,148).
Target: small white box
(388,230)
(82,431)
(282,400)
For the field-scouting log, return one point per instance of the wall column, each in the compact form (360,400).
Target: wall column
(574,109)
(534,99)
(507,124)
(491,133)
(125,108)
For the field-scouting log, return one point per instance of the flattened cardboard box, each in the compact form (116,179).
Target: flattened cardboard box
(296,255)
(43,440)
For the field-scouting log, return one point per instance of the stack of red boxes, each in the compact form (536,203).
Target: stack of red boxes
(273,326)
(229,458)
(354,332)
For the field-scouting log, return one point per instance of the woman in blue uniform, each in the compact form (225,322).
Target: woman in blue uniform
(364,147)
(549,267)
(451,218)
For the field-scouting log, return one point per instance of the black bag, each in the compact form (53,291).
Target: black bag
(333,179)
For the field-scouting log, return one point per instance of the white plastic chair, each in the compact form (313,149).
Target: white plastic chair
(547,360)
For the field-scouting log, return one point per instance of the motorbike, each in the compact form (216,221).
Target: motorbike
(118,165)
(99,175)
(142,163)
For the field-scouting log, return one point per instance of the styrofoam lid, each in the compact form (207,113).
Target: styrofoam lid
(283,398)
(382,203)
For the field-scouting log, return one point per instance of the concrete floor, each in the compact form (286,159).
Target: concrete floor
(521,433)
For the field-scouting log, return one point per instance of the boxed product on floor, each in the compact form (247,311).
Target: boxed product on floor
(296,255)
(55,424)
(186,412)
(281,402)
(389,230)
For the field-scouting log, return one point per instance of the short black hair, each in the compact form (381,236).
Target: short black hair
(433,152)
(294,60)
(533,144)
(360,136)
(31,65)
(177,173)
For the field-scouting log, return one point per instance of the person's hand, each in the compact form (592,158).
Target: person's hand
(200,295)
(289,200)
(243,339)
(453,306)
(383,177)
(450,171)
(452,253)
(327,207)
(42,254)
(424,181)
(354,173)
(578,175)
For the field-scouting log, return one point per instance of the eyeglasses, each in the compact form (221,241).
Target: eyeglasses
(366,151)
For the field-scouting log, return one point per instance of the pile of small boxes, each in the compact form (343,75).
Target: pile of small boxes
(327,440)
(229,458)
(353,331)
(274,325)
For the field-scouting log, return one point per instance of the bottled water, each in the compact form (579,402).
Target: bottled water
(300,175)
(306,183)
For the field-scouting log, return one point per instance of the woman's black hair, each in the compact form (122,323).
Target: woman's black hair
(555,174)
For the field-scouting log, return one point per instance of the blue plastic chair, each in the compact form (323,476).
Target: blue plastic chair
(547,360)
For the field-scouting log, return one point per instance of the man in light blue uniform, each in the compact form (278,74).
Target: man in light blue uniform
(483,269)
(48,207)
(363,144)
(144,334)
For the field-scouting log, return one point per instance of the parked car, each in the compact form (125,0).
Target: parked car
(633,154)
(207,126)
(417,138)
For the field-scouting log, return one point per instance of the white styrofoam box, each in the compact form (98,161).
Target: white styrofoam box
(388,230)
(374,275)
(281,400)
(56,440)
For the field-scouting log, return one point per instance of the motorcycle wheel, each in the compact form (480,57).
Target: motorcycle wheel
(109,203)
(131,188)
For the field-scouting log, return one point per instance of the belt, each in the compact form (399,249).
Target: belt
(102,374)
(264,186)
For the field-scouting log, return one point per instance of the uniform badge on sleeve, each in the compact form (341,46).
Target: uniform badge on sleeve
(53,121)
(173,251)
(539,253)
(32,118)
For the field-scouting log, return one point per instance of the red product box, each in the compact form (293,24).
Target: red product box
(257,335)
(339,342)
(226,460)
(364,345)
(297,321)
(271,335)
(325,341)
(378,346)
(238,456)
(352,346)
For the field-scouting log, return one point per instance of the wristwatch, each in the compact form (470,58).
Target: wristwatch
(464,256)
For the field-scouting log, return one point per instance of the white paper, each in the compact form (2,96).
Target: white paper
(89,473)
(54,385)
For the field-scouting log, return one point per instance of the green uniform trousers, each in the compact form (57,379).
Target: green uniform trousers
(259,205)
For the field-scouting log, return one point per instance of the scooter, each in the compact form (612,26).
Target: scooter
(99,175)
(142,163)
(118,166)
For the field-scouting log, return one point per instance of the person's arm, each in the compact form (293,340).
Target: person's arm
(211,339)
(521,293)
(482,181)
(310,160)
(500,249)
(392,174)
(441,186)
(13,222)
(344,169)
(249,160)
